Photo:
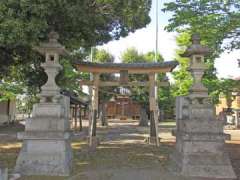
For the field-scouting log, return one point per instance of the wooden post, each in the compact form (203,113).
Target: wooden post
(75,116)
(153,110)
(80,118)
(85,111)
(95,89)
(72,117)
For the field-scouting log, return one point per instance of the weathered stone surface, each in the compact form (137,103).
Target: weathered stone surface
(3,173)
(200,141)
(200,147)
(46,146)
(45,157)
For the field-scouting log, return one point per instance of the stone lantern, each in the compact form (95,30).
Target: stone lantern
(196,53)
(46,146)
(200,140)
(51,51)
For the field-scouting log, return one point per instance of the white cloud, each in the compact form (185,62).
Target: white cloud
(144,41)
(227,65)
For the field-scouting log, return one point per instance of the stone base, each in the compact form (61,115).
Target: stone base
(4,119)
(93,143)
(3,173)
(45,157)
(202,165)
(153,140)
(202,154)
(143,123)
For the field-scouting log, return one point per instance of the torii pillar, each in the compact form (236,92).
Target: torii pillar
(93,140)
(153,107)
(46,148)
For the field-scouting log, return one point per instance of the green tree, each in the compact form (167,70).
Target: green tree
(83,24)
(226,87)
(105,93)
(102,56)
(141,94)
(150,57)
(182,78)
(68,78)
(131,55)
(216,20)
(218,24)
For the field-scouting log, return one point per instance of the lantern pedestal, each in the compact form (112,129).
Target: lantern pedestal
(46,148)
(200,140)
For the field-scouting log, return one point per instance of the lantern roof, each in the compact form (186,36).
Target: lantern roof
(196,48)
(52,45)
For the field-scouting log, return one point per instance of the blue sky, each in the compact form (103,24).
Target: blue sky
(144,41)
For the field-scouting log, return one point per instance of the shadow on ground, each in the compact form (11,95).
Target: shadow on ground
(122,154)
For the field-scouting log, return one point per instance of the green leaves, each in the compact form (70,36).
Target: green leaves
(131,55)
(215,20)
(9,90)
(69,77)
(182,78)
(102,56)
(85,23)
(141,94)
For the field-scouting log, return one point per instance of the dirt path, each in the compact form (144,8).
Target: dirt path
(122,154)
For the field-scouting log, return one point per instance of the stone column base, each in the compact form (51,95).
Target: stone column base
(45,157)
(93,142)
(3,173)
(152,140)
(202,165)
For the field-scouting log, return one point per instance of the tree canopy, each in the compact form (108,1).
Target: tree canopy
(216,20)
(79,23)
(82,23)
(103,56)
(182,78)
(140,94)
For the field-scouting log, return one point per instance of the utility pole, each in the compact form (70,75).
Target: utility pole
(156,113)
(156,43)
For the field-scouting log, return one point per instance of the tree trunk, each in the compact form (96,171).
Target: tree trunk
(161,115)
(103,115)
(143,118)
(94,124)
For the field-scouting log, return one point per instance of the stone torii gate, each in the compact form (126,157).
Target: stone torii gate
(124,69)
